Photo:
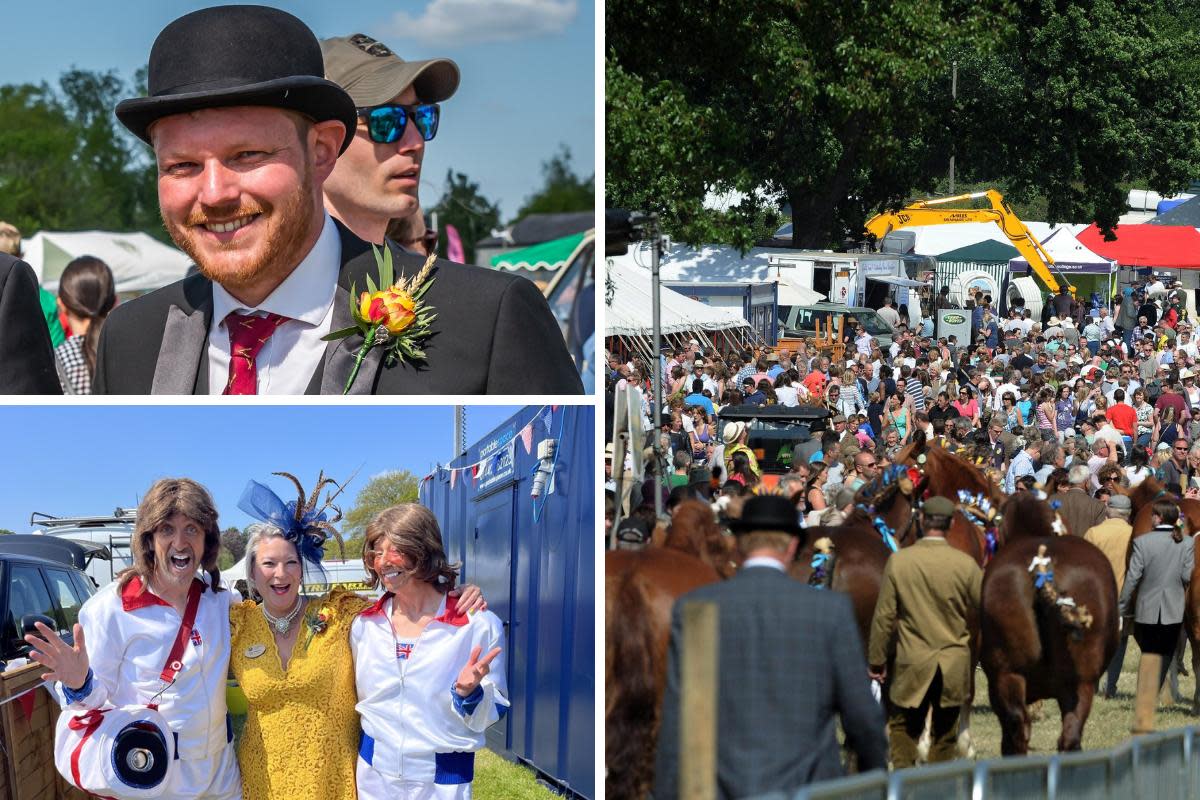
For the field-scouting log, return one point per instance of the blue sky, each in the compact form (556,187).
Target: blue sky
(79,460)
(528,70)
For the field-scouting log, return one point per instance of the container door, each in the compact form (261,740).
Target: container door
(488,564)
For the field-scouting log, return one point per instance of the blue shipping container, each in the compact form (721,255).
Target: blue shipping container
(534,559)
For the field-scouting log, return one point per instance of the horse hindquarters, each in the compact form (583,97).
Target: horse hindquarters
(633,688)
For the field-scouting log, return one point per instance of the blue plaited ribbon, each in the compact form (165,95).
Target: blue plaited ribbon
(1042,577)
(1055,505)
(265,506)
(820,560)
(885,530)
(990,536)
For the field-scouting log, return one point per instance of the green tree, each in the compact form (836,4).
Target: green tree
(233,541)
(66,163)
(837,110)
(382,491)
(1085,99)
(562,190)
(5,532)
(464,206)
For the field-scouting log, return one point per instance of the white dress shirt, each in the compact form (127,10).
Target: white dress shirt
(288,360)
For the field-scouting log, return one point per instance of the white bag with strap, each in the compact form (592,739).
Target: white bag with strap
(125,753)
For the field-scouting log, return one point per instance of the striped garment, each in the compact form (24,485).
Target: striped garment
(914,389)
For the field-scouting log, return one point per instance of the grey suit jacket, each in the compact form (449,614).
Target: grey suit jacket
(789,660)
(1159,570)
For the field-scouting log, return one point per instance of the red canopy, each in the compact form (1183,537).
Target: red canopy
(1175,247)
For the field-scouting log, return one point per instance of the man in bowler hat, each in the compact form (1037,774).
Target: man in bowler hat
(246,130)
(789,658)
(927,605)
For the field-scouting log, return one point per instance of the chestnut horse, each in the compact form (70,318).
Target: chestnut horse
(1031,649)
(1142,498)
(640,588)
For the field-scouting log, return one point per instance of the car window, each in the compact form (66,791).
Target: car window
(67,596)
(872,322)
(562,300)
(84,584)
(27,594)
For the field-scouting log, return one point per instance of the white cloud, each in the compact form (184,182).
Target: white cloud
(454,22)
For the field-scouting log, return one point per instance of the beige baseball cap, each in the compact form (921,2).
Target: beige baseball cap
(372,74)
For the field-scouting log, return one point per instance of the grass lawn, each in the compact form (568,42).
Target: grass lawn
(1107,725)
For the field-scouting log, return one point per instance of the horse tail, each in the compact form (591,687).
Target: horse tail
(632,691)
(1076,617)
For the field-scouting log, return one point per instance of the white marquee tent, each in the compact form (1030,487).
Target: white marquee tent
(933,240)
(715,263)
(139,262)
(630,313)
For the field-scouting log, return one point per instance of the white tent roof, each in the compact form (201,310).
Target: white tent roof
(631,311)
(934,240)
(707,263)
(1064,248)
(139,262)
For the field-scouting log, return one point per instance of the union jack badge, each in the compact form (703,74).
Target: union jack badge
(403,650)
(196,640)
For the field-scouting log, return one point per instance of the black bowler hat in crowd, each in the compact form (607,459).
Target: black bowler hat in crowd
(237,56)
(768,512)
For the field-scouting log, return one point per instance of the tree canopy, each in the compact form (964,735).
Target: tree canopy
(837,110)
(464,206)
(561,190)
(66,163)
(382,491)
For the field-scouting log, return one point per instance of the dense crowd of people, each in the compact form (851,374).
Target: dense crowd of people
(1079,407)
(1113,387)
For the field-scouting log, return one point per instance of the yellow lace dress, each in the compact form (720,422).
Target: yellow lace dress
(301,736)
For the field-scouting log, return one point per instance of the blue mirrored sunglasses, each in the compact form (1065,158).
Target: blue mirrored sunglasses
(386,124)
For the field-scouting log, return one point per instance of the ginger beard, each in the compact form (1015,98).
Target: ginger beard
(236,265)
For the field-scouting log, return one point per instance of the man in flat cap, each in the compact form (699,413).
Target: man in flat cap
(927,606)
(246,130)
(789,660)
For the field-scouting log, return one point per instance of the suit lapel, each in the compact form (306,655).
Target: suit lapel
(338,362)
(185,338)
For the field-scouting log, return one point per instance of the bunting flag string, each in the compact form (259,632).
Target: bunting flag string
(480,468)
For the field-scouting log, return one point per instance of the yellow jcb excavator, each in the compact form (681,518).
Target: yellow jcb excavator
(930,212)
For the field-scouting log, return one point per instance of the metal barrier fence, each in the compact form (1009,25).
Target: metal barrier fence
(1158,766)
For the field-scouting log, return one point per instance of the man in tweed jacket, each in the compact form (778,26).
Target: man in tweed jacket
(928,605)
(789,660)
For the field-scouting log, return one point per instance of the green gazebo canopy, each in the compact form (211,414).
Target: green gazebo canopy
(547,255)
(988,251)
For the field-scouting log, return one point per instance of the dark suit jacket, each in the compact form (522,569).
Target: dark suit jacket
(789,659)
(26,355)
(494,334)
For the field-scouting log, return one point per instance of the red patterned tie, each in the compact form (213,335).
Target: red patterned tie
(247,335)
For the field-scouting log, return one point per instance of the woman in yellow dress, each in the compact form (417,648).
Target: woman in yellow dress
(291,656)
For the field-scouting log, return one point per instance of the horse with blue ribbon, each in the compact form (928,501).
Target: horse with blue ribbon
(1049,623)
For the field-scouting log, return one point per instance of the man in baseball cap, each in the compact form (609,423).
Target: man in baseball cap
(246,130)
(378,178)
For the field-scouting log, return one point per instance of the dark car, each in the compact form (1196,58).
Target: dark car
(41,578)
(774,431)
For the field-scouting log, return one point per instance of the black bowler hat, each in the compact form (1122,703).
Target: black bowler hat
(768,512)
(237,56)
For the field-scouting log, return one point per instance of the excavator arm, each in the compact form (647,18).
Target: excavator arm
(930,212)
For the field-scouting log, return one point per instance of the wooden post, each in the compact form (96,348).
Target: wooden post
(698,708)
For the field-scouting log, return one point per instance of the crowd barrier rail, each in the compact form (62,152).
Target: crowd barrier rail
(1157,766)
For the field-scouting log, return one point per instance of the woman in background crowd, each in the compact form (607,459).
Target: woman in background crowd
(85,294)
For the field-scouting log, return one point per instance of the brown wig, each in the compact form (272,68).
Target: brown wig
(167,497)
(412,531)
